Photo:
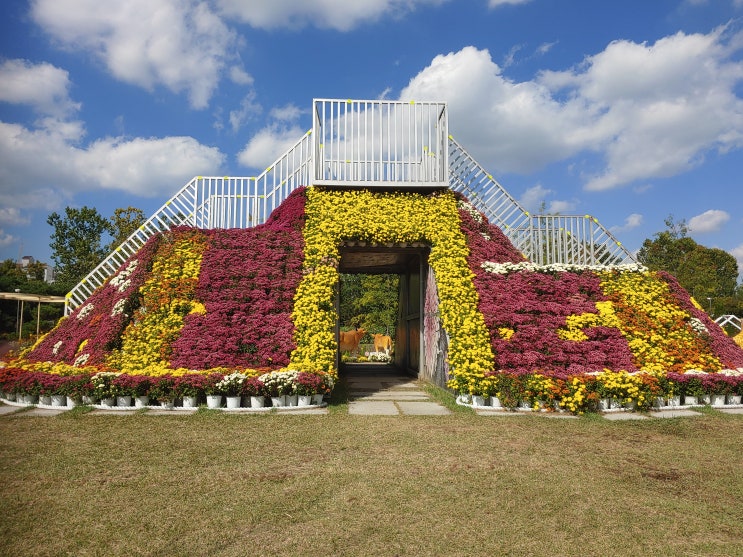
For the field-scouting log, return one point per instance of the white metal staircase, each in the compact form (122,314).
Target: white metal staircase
(371,144)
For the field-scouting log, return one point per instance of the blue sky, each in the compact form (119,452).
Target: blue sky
(629,110)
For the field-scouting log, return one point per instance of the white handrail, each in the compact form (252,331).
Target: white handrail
(368,144)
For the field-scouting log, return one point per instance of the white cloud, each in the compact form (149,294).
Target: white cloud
(247,110)
(44,167)
(508,126)
(497,3)
(648,111)
(658,109)
(709,221)
(341,15)
(533,197)
(288,113)
(534,200)
(6,239)
(12,216)
(148,167)
(269,144)
(240,76)
(43,87)
(557,207)
(737,252)
(179,44)
(632,221)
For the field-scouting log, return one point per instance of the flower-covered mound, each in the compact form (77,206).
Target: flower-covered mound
(261,300)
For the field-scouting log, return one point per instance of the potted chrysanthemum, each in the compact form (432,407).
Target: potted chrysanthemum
(231,387)
(254,388)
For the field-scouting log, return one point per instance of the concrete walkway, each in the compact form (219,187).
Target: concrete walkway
(381,390)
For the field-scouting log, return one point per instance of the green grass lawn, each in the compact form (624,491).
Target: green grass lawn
(215,483)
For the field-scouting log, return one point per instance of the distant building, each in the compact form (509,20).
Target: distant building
(28,260)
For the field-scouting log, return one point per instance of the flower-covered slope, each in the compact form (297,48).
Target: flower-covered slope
(193,299)
(264,298)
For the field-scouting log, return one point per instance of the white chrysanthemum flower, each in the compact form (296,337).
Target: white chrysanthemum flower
(85,311)
(118,308)
(81,360)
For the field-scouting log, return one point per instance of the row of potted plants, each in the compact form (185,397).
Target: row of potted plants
(603,390)
(107,385)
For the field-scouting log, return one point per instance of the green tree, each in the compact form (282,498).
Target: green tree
(704,272)
(77,242)
(370,302)
(35,271)
(124,223)
(12,277)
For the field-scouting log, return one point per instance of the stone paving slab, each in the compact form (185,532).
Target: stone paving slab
(498,413)
(621,416)
(376,385)
(731,410)
(423,409)
(373,408)
(676,414)
(386,395)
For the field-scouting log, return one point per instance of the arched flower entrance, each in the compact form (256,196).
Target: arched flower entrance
(389,218)
(409,262)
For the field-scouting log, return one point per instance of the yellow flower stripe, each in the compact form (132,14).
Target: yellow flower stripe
(658,331)
(332,216)
(573,330)
(167,296)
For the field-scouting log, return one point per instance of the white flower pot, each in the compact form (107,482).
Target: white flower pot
(109,402)
(214,401)
(495,402)
(718,400)
(46,400)
(292,400)
(673,401)
(72,402)
(141,401)
(190,402)
(690,400)
(124,401)
(478,401)
(59,400)
(733,399)
(233,402)
(257,401)
(278,401)
(304,400)
(317,399)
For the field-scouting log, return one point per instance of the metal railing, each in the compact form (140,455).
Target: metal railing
(369,144)
(733,320)
(380,143)
(543,239)
(209,202)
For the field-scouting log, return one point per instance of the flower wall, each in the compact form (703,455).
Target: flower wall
(167,297)
(262,299)
(387,218)
(247,284)
(94,329)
